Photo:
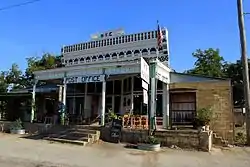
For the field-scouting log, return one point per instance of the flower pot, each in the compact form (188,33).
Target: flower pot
(149,147)
(17,131)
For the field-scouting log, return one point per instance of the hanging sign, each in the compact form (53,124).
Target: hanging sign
(144,70)
(145,96)
(86,79)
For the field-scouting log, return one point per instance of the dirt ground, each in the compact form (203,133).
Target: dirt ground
(18,152)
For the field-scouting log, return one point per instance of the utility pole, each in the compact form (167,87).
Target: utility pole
(244,59)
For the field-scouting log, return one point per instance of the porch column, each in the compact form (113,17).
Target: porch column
(121,105)
(33,102)
(132,93)
(64,100)
(165,105)
(103,103)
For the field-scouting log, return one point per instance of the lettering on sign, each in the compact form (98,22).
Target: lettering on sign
(85,79)
(108,34)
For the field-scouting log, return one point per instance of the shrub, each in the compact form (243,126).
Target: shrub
(17,125)
(203,117)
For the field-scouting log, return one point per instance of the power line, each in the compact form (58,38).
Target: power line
(18,5)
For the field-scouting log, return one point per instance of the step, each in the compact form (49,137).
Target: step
(76,142)
(85,131)
(68,137)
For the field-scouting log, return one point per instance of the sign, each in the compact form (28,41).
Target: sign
(144,85)
(144,70)
(145,96)
(108,34)
(115,131)
(86,79)
(162,75)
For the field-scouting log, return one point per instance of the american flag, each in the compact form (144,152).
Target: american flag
(159,36)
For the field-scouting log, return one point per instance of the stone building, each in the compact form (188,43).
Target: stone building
(105,74)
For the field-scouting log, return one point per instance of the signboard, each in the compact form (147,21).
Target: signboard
(145,96)
(115,131)
(144,85)
(108,34)
(144,70)
(162,75)
(86,79)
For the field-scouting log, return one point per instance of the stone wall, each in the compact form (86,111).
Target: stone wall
(218,95)
(181,138)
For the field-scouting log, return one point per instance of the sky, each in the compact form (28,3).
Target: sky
(46,25)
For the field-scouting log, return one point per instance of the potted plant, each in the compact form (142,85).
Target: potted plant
(17,127)
(203,118)
(150,144)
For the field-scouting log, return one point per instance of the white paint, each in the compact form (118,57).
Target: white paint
(165,105)
(103,103)
(33,102)
(64,91)
(144,70)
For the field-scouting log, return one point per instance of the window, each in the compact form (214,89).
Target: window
(107,42)
(116,40)
(104,42)
(129,38)
(145,35)
(88,45)
(123,39)
(120,40)
(135,37)
(138,37)
(153,34)
(126,39)
(182,107)
(132,38)
(149,35)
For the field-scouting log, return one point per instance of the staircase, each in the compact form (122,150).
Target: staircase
(219,140)
(75,135)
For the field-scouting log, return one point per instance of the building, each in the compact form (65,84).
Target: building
(108,73)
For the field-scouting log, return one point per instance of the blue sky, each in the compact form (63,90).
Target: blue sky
(47,25)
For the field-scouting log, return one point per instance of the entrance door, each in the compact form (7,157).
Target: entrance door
(117,104)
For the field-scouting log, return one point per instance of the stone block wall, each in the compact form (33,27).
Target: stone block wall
(181,138)
(218,95)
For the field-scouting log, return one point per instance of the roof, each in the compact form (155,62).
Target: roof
(176,77)
(39,89)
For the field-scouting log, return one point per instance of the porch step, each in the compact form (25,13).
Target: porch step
(75,142)
(218,140)
(78,136)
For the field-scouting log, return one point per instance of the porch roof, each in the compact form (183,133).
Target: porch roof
(39,89)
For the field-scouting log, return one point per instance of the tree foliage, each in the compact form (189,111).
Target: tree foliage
(208,63)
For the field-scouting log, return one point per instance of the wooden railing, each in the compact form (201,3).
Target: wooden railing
(139,122)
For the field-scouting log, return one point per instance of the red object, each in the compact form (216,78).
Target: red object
(159,36)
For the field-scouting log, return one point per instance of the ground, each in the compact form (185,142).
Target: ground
(19,152)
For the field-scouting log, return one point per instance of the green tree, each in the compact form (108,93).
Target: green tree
(234,71)
(3,83)
(208,62)
(47,61)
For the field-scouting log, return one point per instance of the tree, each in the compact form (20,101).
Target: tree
(235,72)
(13,77)
(208,63)
(3,83)
(47,61)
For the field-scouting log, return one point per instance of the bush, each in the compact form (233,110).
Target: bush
(204,117)
(152,140)
(17,125)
